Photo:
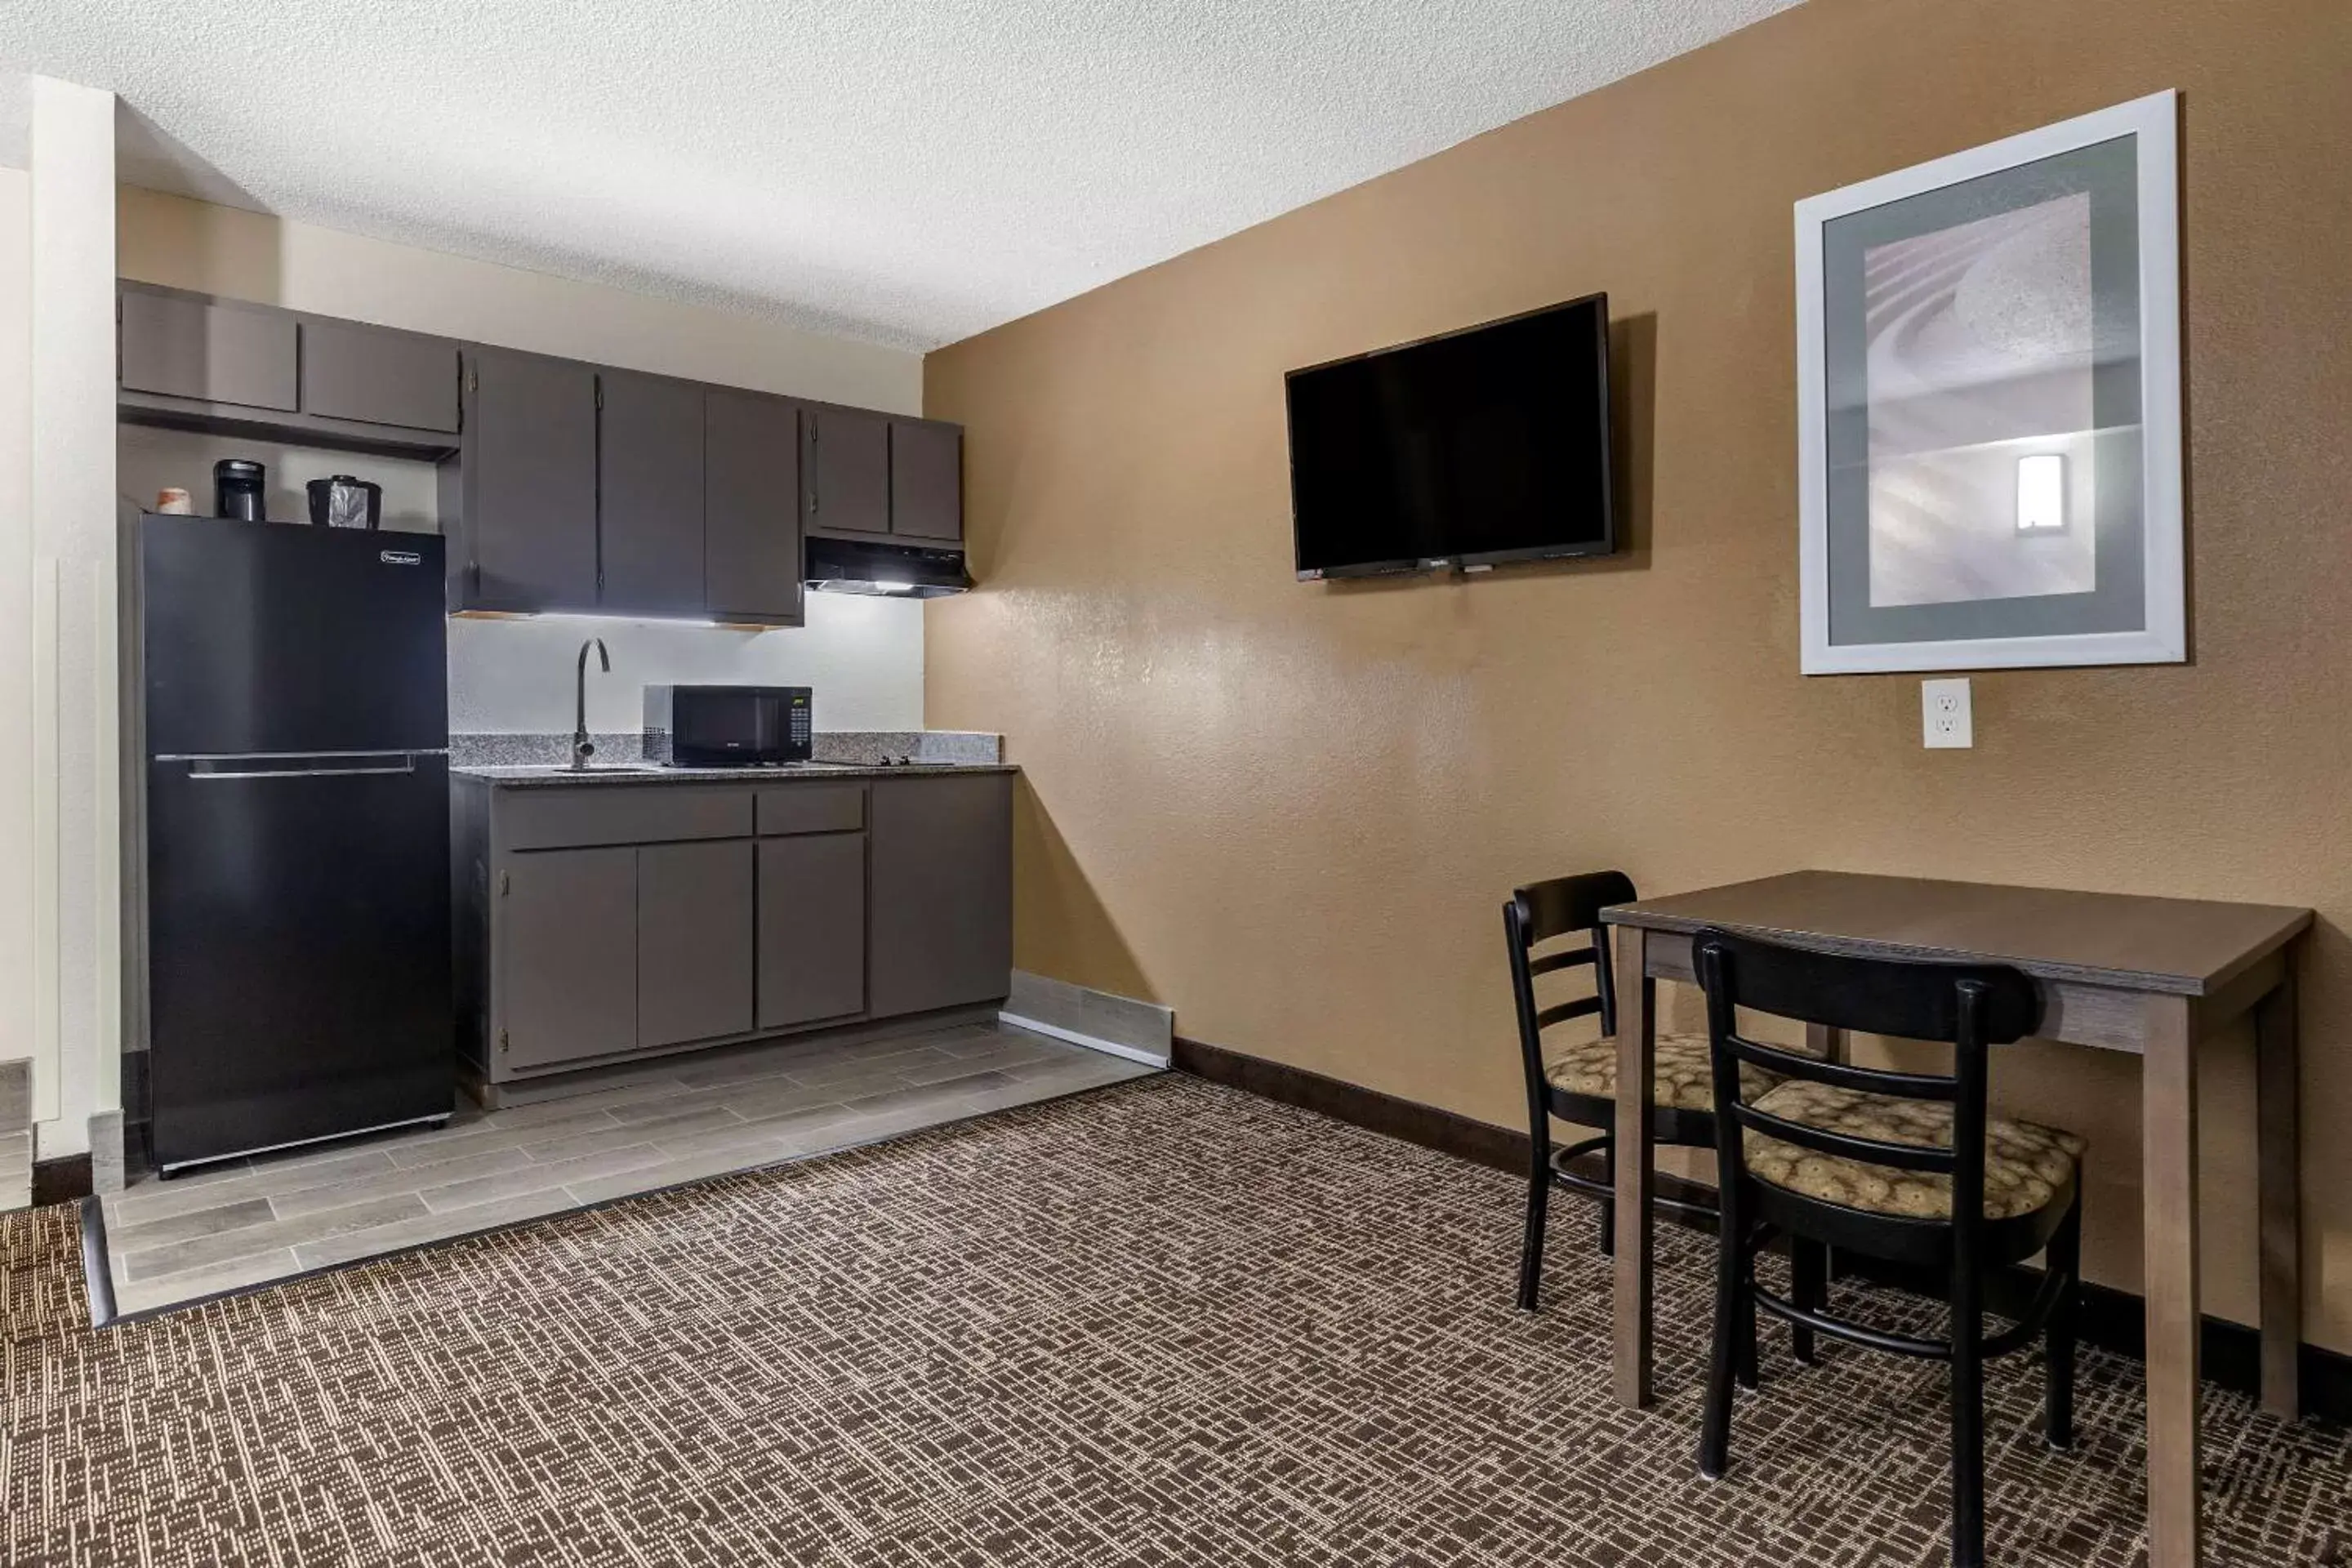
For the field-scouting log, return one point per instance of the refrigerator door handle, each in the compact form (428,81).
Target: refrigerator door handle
(305,765)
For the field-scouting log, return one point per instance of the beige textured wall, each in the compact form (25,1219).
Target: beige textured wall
(1292,811)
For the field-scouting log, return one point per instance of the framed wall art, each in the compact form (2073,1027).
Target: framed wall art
(1988,386)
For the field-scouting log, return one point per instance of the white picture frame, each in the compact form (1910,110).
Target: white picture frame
(2160,634)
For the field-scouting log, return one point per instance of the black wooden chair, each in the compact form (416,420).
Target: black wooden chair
(1905,1167)
(1575,1079)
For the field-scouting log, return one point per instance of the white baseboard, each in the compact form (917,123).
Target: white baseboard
(1099,1020)
(1091,1042)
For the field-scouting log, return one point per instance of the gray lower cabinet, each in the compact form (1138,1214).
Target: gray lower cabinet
(694,942)
(811,928)
(602,921)
(941,932)
(567,971)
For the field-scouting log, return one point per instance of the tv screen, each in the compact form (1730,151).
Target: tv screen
(1485,445)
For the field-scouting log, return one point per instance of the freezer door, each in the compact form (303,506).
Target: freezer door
(279,638)
(298,948)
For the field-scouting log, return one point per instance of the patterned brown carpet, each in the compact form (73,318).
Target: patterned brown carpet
(1161,1323)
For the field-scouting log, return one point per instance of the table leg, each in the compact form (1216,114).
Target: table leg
(2279,1139)
(2168,1181)
(1636,1162)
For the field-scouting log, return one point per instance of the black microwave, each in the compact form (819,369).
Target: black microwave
(726,726)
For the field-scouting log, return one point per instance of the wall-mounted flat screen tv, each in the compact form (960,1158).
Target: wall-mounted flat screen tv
(1482,445)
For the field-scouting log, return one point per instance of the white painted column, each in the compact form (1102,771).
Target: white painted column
(15,688)
(73,752)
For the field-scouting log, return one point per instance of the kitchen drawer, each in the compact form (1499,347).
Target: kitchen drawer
(813,808)
(559,818)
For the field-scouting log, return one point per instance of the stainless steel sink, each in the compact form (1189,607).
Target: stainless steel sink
(565,770)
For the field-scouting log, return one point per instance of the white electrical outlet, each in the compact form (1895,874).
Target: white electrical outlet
(1945,716)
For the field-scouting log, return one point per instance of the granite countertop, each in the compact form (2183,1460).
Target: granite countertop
(542,775)
(540,761)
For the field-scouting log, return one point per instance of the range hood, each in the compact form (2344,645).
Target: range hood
(899,571)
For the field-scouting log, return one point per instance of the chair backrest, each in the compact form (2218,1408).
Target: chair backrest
(1970,1006)
(1544,913)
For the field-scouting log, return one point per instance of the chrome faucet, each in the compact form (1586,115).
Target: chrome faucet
(583,748)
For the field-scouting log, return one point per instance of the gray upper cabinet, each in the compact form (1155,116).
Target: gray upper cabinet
(926,479)
(649,480)
(230,367)
(563,487)
(868,473)
(567,973)
(180,346)
(845,463)
(694,942)
(942,922)
(527,498)
(750,507)
(377,376)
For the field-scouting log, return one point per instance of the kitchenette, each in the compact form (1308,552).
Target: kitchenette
(719,889)
(351,913)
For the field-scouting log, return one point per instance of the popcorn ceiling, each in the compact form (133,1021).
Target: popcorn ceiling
(909,172)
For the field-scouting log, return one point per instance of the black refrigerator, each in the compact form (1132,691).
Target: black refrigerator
(293,702)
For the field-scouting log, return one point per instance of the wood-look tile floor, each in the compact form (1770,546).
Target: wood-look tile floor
(243,1225)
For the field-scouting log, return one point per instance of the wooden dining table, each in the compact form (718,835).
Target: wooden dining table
(2152,976)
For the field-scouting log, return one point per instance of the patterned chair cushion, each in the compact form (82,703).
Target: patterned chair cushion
(2025,1165)
(1682,1076)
